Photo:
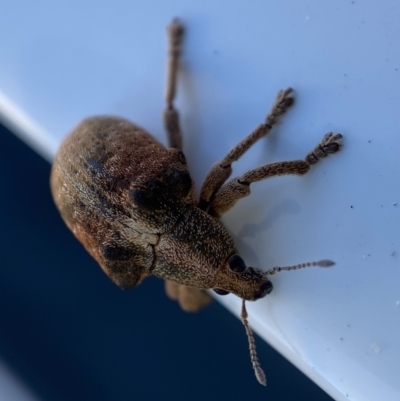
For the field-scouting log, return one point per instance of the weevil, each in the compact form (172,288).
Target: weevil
(131,202)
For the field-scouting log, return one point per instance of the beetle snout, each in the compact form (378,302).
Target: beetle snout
(264,290)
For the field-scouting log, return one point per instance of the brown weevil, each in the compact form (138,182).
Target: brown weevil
(131,203)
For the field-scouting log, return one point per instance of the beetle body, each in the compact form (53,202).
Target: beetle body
(131,203)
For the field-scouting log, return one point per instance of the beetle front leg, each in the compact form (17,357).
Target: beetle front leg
(238,188)
(221,171)
(170,115)
(191,299)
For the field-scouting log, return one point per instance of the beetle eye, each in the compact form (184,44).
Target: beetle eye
(220,292)
(236,264)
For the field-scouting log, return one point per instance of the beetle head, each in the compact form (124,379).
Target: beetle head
(248,283)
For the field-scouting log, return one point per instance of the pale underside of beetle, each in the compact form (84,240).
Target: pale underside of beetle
(131,203)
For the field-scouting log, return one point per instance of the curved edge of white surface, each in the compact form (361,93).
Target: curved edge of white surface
(23,126)
(334,382)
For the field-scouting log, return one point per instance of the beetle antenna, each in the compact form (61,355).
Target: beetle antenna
(321,263)
(260,375)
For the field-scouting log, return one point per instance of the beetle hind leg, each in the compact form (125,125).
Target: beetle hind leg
(170,115)
(191,299)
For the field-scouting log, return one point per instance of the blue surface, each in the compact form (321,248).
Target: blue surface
(70,334)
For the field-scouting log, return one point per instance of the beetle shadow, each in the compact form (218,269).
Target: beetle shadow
(190,118)
(251,230)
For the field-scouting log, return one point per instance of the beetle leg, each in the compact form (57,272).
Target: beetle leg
(238,188)
(191,299)
(221,170)
(172,289)
(170,115)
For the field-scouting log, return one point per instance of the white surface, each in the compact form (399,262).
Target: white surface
(63,61)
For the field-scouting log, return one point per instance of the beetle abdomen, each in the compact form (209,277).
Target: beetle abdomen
(116,188)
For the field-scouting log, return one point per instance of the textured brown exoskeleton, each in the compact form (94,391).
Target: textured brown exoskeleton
(131,202)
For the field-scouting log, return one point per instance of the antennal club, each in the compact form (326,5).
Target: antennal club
(321,263)
(260,375)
